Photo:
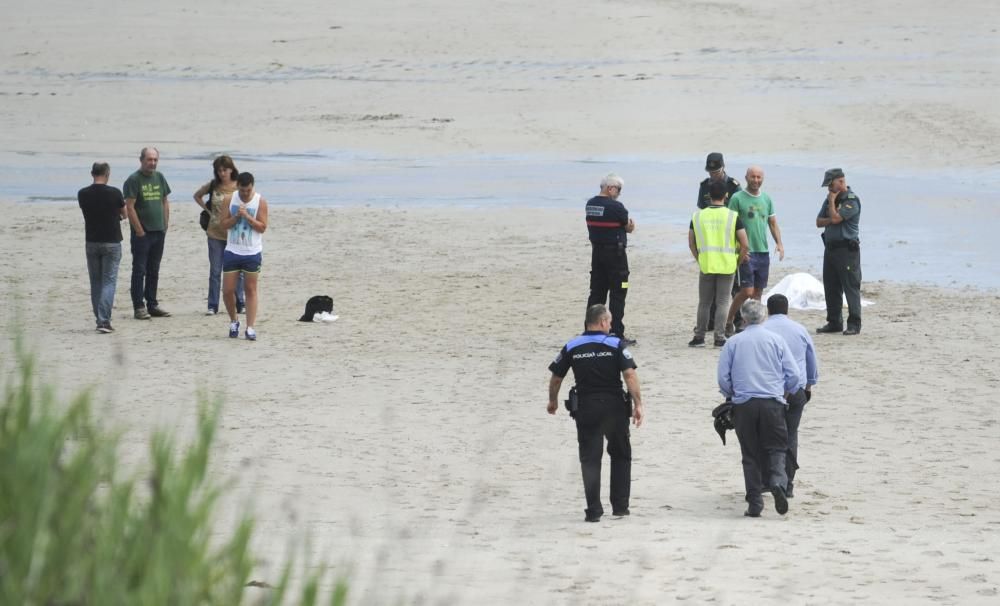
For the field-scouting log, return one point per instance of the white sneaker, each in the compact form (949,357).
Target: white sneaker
(324,316)
(211,312)
(251,334)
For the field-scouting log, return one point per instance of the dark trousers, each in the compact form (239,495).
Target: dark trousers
(147,252)
(793,416)
(600,417)
(760,427)
(609,275)
(842,278)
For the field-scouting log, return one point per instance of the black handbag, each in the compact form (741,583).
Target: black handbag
(205,216)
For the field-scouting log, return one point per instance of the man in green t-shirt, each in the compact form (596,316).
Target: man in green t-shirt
(146,200)
(756,211)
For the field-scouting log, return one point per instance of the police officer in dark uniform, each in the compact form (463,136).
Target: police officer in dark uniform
(840,217)
(599,361)
(715,166)
(608,224)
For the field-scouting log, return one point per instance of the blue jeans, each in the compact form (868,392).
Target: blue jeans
(147,252)
(102,264)
(215,250)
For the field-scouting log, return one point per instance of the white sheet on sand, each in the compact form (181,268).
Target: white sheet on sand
(803,292)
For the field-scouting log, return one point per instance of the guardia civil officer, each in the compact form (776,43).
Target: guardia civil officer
(715,166)
(599,361)
(608,224)
(839,217)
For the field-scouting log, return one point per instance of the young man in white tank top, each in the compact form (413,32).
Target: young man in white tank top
(246,223)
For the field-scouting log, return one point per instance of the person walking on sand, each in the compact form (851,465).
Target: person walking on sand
(146,199)
(223,184)
(103,209)
(712,237)
(599,361)
(246,221)
(756,211)
(801,345)
(756,369)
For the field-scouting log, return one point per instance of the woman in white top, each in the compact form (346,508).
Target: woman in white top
(245,220)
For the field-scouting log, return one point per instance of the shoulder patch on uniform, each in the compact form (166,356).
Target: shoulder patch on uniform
(627,354)
(734,180)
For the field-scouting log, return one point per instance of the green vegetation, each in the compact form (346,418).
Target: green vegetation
(73,532)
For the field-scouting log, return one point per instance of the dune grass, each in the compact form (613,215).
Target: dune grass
(75,531)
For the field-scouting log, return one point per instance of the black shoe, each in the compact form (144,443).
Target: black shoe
(697,342)
(720,342)
(852,330)
(620,514)
(159,312)
(752,512)
(241,308)
(829,328)
(591,518)
(780,500)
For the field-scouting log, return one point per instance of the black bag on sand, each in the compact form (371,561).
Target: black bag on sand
(315,305)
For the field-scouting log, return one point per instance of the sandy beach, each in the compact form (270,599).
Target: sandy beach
(407,443)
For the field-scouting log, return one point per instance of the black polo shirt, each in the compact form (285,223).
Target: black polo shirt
(606,221)
(597,361)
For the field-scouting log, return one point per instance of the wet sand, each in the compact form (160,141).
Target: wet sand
(408,441)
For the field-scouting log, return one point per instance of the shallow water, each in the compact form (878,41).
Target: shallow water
(932,228)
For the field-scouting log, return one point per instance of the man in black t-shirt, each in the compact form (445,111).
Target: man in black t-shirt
(103,209)
(599,361)
(608,224)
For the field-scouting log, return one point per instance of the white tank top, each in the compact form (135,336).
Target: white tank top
(243,239)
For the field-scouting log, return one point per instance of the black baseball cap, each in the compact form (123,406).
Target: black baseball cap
(714,161)
(831,175)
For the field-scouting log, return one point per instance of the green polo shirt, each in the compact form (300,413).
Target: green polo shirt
(149,192)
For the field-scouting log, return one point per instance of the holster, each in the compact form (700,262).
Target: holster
(572,402)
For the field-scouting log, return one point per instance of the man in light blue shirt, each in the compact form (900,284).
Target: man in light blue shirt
(756,370)
(801,344)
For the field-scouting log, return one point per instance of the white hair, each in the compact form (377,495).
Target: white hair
(753,312)
(612,180)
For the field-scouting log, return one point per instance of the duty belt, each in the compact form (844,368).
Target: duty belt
(844,244)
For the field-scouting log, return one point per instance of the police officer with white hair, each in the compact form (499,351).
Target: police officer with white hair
(608,224)
(601,410)
(756,370)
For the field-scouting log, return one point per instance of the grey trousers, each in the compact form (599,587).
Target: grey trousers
(715,288)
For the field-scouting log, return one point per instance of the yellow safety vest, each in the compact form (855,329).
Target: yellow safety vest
(715,236)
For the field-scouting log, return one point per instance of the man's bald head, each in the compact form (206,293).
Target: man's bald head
(755,178)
